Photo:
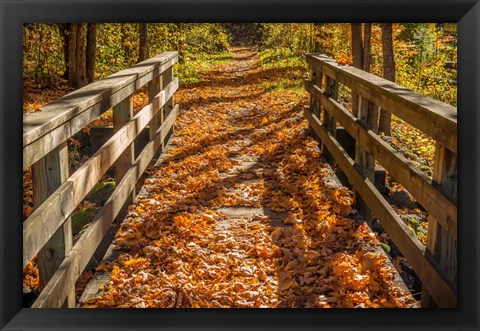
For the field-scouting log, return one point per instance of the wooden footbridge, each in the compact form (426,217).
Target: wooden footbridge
(47,233)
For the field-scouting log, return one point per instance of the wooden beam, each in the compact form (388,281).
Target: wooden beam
(85,178)
(154,87)
(367,115)
(122,113)
(317,79)
(85,247)
(413,179)
(401,235)
(47,175)
(441,244)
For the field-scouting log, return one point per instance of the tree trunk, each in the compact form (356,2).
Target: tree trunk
(63,29)
(357,45)
(367,33)
(76,56)
(143,53)
(91,51)
(180,43)
(388,72)
(357,58)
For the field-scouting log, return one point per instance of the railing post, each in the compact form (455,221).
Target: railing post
(316,79)
(441,246)
(331,89)
(367,113)
(167,78)
(122,113)
(154,87)
(48,174)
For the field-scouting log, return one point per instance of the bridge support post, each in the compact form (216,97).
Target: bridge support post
(316,78)
(442,247)
(329,122)
(47,175)
(167,78)
(154,87)
(367,113)
(122,113)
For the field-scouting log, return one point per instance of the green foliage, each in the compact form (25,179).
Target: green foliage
(203,39)
(190,72)
(386,247)
(118,47)
(422,50)
(421,60)
(101,192)
(82,218)
(43,58)
(283,51)
(296,37)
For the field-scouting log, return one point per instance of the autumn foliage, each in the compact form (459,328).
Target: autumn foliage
(242,142)
(180,250)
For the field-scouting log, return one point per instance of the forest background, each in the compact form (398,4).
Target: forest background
(59,58)
(72,55)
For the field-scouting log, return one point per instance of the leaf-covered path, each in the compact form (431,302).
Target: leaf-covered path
(242,212)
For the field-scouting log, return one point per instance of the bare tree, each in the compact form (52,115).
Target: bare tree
(73,38)
(357,45)
(357,56)
(91,51)
(367,45)
(143,52)
(388,72)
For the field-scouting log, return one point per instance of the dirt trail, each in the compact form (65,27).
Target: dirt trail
(239,213)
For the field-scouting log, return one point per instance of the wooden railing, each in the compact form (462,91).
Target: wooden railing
(435,264)
(47,231)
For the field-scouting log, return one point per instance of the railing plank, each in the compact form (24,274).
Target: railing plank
(413,179)
(37,124)
(79,256)
(405,240)
(86,177)
(431,116)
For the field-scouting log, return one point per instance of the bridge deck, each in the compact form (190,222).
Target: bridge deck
(242,211)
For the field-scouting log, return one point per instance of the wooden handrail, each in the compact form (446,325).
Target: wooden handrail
(45,135)
(435,118)
(435,263)
(56,122)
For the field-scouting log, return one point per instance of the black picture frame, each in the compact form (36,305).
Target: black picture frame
(13,13)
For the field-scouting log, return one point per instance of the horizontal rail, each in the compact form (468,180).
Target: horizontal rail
(413,250)
(64,278)
(431,116)
(413,179)
(51,214)
(56,122)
